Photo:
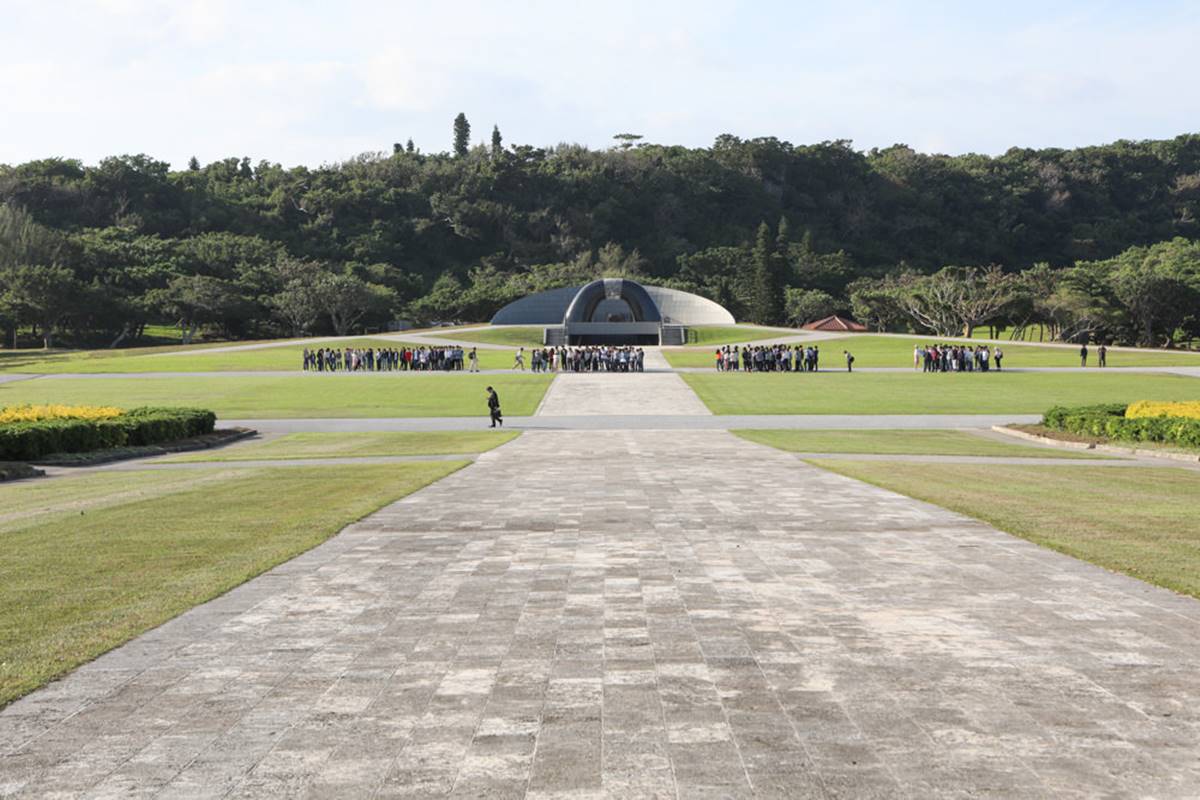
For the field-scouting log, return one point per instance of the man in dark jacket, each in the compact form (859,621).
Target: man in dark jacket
(493,401)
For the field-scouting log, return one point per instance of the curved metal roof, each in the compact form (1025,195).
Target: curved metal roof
(674,307)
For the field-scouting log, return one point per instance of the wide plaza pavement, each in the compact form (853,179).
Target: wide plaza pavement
(608,613)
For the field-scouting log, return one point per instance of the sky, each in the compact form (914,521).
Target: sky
(302,82)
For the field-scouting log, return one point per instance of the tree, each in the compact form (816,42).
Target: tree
(23,242)
(299,302)
(613,262)
(195,300)
(952,301)
(807,305)
(876,303)
(767,306)
(39,294)
(409,147)
(443,302)
(627,140)
(497,141)
(462,135)
(194,164)
(347,299)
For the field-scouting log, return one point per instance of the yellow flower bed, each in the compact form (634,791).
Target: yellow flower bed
(41,413)
(1151,408)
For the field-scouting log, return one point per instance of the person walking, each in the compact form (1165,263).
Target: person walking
(493,401)
(1083,355)
(849,361)
(997,356)
(1102,354)
(519,361)
(474,359)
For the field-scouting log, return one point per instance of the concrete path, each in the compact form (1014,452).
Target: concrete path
(673,420)
(675,614)
(591,394)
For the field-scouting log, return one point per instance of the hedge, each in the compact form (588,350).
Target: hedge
(1109,421)
(28,441)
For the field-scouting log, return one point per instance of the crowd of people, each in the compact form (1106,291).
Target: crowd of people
(807,358)
(583,359)
(956,358)
(769,358)
(390,359)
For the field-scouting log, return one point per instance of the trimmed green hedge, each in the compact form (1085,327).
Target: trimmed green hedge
(1110,422)
(28,441)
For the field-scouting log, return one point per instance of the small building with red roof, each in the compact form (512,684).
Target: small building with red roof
(836,324)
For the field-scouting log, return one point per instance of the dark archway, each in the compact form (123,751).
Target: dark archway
(590,296)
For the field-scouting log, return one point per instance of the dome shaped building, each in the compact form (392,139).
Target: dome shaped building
(614,311)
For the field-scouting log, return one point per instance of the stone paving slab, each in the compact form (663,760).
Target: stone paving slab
(588,394)
(637,614)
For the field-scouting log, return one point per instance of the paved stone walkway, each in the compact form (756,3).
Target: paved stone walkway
(590,394)
(641,614)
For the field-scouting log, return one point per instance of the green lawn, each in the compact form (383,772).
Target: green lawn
(899,442)
(1134,520)
(92,561)
(512,335)
(255,397)
(279,358)
(719,335)
(350,445)
(896,351)
(916,393)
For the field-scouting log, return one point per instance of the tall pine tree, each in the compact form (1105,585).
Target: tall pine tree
(780,266)
(497,142)
(763,258)
(462,135)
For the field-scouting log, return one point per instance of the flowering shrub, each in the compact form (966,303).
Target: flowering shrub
(1151,408)
(42,413)
(27,441)
(1111,421)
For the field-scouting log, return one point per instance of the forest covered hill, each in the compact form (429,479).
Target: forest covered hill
(456,234)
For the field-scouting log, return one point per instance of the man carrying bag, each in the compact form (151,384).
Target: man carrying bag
(493,401)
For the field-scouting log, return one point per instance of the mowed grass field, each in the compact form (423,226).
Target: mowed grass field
(92,561)
(356,445)
(512,335)
(900,442)
(720,335)
(292,396)
(1139,521)
(917,393)
(276,358)
(896,351)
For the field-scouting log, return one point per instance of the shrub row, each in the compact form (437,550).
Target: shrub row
(27,441)
(1110,422)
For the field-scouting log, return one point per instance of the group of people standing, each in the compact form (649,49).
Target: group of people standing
(956,358)
(582,359)
(769,358)
(390,359)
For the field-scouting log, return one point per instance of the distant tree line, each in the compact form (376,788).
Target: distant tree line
(1096,241)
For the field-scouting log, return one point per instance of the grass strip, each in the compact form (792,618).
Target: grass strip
(1139,521)
(358,445)
(899,442)
(297,396)
(905,393)
(116,554)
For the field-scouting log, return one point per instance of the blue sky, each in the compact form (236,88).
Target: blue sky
(309,83)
